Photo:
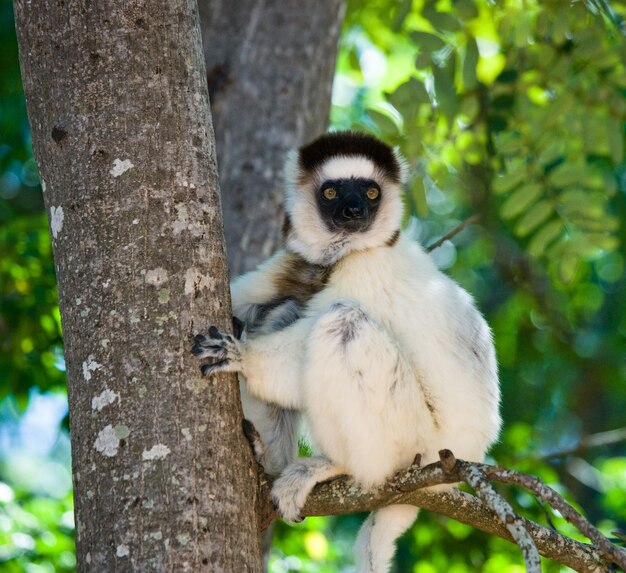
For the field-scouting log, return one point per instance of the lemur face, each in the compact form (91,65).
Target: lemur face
(349,205)
(343,194)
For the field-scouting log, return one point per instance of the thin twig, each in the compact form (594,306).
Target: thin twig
(453,233)
(475,476)
(588,442)
(547,494)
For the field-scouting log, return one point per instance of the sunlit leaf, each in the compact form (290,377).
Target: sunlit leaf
(538,95)
(489,67)
(615,138)
(520,200)
(569,174)
(568,266)
(544,236)
(533,218)
(509,181)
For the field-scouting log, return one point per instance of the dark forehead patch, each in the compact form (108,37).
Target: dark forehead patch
(346,144)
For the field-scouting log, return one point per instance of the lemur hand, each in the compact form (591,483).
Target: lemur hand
(224,348)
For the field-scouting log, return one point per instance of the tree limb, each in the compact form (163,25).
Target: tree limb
(585,443)
(551,497)
(341,496)
(475,476)
(469,221)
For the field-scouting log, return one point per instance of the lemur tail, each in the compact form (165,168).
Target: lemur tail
(376,541)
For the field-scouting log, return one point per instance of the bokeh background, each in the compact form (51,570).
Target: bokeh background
(512,110)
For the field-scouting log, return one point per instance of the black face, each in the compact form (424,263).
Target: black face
(349,204)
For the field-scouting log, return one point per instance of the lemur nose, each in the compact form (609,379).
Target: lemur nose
(352,212)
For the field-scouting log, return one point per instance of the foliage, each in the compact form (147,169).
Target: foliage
(36,532)
(36,518)
(30,332)
(513,110)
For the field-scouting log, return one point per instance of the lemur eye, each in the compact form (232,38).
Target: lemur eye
(372,193)
(329,193)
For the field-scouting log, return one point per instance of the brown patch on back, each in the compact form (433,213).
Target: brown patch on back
(393,239)
(286,226)
(300,280)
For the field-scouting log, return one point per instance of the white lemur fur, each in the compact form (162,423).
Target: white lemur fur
(384,355)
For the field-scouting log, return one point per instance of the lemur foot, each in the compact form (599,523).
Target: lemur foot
(288,494)
(258,447)
(224,348)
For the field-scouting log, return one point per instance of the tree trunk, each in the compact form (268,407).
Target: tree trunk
(117,99)
(270,66)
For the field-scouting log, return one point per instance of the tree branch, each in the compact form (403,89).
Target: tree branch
(469,221)
(551,497)
(588,442)
(341,496)
(475,476)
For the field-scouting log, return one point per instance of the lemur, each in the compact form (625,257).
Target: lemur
(353,326)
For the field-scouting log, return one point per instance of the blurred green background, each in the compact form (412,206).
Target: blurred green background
(514,111)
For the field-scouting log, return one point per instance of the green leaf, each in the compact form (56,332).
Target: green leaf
(533,218)
(466,9)
(509,181)
(441,20)
(615,138)
(402,11)
(489,67)
(594,133)
(470,60)
(423,60)
(407,98)
(544,236)
(385,124)
(520,200)
(568,265)
(418,196)
(568,174)
(445,91)
(603,241)
(426,41)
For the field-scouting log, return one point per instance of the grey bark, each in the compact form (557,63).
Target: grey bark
(117,100)
(270,65)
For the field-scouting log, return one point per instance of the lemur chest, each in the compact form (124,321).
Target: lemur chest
(372,286)
(372,282)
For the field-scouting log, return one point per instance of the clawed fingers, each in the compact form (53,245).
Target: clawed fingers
(220,346)
(215,368)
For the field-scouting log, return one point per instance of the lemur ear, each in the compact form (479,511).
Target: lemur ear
(292,169)
(402,164)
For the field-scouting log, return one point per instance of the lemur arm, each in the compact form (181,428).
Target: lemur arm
(271,363)
(257,286)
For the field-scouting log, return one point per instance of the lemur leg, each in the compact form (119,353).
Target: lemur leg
(376,541)
(297,480)
(367,409)
(272,432)
(365,404)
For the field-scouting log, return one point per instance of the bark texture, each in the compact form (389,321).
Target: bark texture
(270,65)
(117,99)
